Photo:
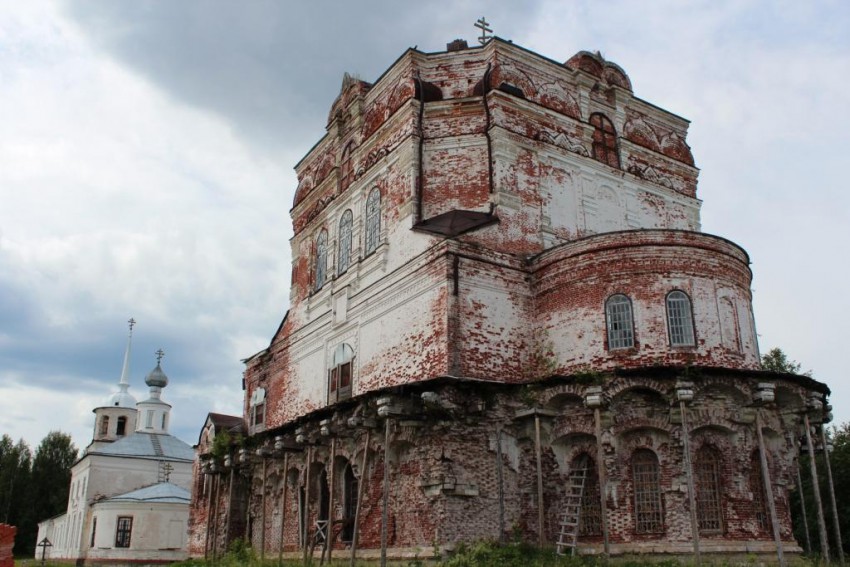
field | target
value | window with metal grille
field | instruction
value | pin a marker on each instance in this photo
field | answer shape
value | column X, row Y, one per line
column 321, row 268
column 680, row 321
column 618, row 313
column 759, row 497
column 373, row 220
column 123, row 530
column 707, row 477
column 604, row 140
column 344, row 252
column 349, row 503
column 590, row 521
column 646, row 482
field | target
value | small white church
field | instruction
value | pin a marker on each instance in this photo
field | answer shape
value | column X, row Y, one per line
column 129, row 496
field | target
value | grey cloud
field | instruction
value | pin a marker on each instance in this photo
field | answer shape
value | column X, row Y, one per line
column 271, row 68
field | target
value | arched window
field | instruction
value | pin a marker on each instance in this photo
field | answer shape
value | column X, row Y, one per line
column 121, row 426
column 618, row 313
column 707, row 477
column 646, row 482
column 104, row 425
column 339, row 376
column 759, row 496
column 590, row 520
column 321, row 268
column 680, row 322
column 373, row 220
column 344, row 252
column 604, row 140
column 349, row 503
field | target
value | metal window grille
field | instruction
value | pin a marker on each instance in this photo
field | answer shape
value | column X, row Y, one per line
column 123, row 531
column 618, row 310
column 373, row 220
column 679, row 319
column 321, row 259
column 604, row 141
column 344, row 255
column 709, row 504
column 759, row 496
column 649, row 510
column 590, row 522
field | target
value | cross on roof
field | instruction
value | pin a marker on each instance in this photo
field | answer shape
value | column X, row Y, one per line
column 485, row 29
column 159, row 354
column 132, row 323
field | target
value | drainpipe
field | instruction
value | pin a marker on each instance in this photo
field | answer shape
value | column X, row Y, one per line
column 685, row 393
column 359, row 499
column 420, row 150
column 485, row 87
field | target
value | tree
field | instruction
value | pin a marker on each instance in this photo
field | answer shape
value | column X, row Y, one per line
column 49, row 484
column 777, row 361
column 15, row 470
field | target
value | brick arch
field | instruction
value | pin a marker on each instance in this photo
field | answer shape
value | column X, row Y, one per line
column 505, row 73
column 722, row 387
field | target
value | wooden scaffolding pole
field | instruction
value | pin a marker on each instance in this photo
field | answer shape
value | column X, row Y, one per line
column 689, row 475
column 360, row 484
column 768, row 489
column 602, row 475
column 282, row 533
column 385, row 506
column 824, row 543
column 835, row 523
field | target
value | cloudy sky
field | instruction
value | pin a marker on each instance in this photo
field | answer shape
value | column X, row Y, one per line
column 147, row 147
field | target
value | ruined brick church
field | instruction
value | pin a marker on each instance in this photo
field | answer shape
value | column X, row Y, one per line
column 505, row 323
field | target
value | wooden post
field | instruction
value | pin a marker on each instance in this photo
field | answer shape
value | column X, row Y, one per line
column 689, row 475
column 541, row 536
column 229, row 510
column 360, row 484
column 263, row 514
column 283, row 508
column 803, row 509
column 500, row 476
column 835, row 523
column 306, row 511
column 384, row 510
column 768, row 489
column 216, row 503
column 824, row 544
column 603, row 479
column 207, row 546
column 328, row 543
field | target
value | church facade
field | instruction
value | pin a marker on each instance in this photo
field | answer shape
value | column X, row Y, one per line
column 505, row 322
column 130, row 491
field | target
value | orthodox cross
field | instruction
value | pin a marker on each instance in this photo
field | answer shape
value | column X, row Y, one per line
column 485, row 29
column 165, row 471
column 132, row 323
column 159, row 355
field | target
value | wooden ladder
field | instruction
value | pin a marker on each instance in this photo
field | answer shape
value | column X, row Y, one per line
column 571, row 517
